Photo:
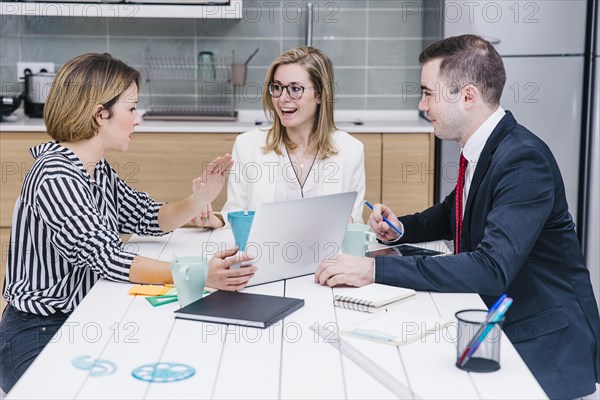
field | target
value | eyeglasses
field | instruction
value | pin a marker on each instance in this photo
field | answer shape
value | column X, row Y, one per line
column 294, row 90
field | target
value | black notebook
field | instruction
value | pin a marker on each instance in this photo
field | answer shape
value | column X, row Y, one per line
column 237, row 308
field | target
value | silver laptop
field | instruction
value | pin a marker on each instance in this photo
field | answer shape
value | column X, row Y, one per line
column 290, row 238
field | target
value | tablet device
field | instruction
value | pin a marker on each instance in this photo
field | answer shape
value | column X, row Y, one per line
column 403, row 250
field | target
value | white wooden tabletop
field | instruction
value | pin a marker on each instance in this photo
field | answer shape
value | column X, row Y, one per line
column 121, row 332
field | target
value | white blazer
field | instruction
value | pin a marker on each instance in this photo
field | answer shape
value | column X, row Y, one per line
column 254, row 174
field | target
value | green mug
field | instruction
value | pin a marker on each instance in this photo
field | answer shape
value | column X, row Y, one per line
column 357, row 239
column 189, row 276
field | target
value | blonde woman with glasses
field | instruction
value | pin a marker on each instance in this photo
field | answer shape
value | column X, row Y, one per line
column 302, row 154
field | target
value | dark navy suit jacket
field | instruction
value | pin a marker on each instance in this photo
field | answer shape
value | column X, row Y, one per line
column 518, row 238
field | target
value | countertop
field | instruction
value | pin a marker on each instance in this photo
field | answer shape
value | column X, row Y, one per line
column 352, row 121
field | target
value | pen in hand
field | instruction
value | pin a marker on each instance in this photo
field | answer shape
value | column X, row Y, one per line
column 385, row 219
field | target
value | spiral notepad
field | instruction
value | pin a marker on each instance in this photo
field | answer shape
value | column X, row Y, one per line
column 370, row 298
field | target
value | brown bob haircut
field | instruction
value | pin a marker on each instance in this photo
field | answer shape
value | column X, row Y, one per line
column 81, row 85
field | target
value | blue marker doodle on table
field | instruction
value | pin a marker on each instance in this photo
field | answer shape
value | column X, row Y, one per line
column 98, row 367
column 163, row 372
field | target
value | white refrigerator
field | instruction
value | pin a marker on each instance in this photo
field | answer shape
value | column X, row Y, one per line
column 542, row 44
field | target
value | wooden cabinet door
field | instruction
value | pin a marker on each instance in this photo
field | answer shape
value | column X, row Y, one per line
column 407, row 171
column 398, row 166
column 164, row 164
column 16, row 162
column 372, row 143
column 4, row 242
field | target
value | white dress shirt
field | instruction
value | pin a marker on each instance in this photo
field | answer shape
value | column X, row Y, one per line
column 474, row 146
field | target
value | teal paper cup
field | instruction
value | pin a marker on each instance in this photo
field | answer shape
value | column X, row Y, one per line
column 240, row 224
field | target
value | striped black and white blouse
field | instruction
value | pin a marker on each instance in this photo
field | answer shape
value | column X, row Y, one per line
column 65, row 231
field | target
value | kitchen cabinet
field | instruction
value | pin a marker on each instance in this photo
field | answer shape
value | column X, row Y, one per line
column 15, row 162
column 372, row 143
column 164, row 164
column 4, row 237
column 408, row 171
column 126, row 12
column 399, row 166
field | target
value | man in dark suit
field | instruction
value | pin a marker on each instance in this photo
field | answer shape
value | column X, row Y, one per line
column 513, row 233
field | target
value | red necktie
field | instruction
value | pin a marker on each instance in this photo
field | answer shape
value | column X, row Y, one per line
column 460, row 183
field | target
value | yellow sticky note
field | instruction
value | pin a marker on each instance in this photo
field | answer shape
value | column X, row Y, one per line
column 148, row 290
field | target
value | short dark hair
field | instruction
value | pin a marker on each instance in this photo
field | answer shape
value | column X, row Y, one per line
column 469, row 59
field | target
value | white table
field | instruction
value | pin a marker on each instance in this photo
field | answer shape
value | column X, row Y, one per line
column 286, row 360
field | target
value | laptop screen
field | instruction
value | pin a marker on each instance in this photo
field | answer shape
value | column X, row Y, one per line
column 291, row 238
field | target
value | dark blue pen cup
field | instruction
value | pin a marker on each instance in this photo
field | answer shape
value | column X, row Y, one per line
column 486, row 357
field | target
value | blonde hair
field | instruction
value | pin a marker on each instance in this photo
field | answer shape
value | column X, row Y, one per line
column 320, row 71
column 81, row 85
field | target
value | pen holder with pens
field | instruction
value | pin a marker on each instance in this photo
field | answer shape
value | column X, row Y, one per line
column 477, row 345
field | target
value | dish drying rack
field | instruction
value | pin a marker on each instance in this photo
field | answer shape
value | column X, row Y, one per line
column 198, row 98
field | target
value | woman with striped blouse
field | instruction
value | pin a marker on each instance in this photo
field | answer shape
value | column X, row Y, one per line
column 73, row 207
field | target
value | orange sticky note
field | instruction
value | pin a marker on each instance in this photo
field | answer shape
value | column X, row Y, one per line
column 148, row 290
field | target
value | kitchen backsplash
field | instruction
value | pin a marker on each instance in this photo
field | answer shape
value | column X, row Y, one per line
column 374, row 45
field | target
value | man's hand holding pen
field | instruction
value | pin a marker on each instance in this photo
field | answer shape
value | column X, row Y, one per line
column 382, row 228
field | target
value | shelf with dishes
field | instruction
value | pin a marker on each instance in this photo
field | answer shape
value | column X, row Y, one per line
column 205, row 87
